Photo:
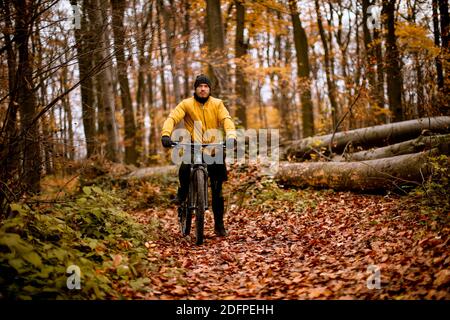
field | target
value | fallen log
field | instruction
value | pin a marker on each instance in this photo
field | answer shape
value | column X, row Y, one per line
column 379, row 174
column 366, row 137
column 411, row 146
column 143, row 173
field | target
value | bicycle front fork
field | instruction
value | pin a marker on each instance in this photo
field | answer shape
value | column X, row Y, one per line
column 192, row 199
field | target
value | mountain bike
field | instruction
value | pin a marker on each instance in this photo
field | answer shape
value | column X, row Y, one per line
column 196, row 202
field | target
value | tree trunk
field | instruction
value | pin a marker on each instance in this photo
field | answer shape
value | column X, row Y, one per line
column 285, row 57
column 84, row 44
column 380, row 174
column 445, row 28
column 101, row 133
column 152, row 138
column 141, row 40
column 169, row 28
column 118, row 11
column 393, row 63
column 105, row 81
column 216, row 49
column 241, row 50
column 368, row 137
column 161, row 56
column 343, row 41
column 330, row 81
column 9, row 153
column 186, row 47
column 69, row 142
column 445, row 37
column 379, row 86
column 301, row 48
column 437, row 43
column 373, row 52
column 411, row 146
column 31, row 165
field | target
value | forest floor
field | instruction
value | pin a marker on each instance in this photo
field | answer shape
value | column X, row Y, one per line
column 288, row 243
column 282, row 243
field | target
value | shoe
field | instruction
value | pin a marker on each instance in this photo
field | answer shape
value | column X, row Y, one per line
column 218, row 210
column 220, row 231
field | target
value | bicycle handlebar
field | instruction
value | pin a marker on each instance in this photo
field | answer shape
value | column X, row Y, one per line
column 203, row 145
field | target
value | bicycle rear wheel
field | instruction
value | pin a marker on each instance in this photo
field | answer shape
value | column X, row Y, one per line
column 200, row 205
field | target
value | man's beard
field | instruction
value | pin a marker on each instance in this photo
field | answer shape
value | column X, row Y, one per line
column 200, row 99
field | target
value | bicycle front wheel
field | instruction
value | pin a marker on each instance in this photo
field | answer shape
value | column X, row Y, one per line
column 200, row 205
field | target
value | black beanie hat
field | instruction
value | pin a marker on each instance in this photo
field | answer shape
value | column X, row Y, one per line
column 201, row 79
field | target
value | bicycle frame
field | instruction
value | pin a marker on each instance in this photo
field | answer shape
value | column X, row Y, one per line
column 194, row 198
column 194, row 167
column 193, row 189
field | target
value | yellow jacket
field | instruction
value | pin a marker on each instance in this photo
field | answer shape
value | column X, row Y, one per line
column 212, row 115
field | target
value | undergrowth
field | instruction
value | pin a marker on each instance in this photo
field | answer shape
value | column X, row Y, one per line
column 90, row 231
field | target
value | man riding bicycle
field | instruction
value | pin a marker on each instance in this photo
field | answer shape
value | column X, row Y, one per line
column 212, row 114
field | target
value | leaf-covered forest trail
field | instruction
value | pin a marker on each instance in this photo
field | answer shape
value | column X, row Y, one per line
column 303, row 244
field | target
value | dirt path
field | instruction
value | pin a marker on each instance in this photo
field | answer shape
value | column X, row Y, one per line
column 285, row 251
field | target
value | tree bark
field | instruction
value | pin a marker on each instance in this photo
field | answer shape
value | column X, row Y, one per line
column 367, row 137
column 161, row 56
column 301, row 48
column 445, row 28
column 393, row 63
column 445, row 37
column 31, row 165
column 371, row 175
column 105, row 81
column 9, row 151
column 169, row 31
column 118, row 11
column 241, row 50
column 216, row 48
column 330, row 81
column 143, row 68
column 374, row 60
column 437, row 42
column 186, row 47
column 411, row 146
column 69, row 140
column 84, row 44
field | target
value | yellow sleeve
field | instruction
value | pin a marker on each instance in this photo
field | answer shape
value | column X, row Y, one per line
column 175, row 116
column 228, row 124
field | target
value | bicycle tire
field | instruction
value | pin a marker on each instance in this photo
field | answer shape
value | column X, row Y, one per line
column 200, row 206
column 186, row 220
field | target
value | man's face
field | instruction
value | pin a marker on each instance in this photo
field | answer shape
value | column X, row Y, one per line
column 202, row 90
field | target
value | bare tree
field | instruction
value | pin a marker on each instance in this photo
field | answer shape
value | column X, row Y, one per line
column 118, row 9
column 301, row 48
column 169, row 31
column 240, row 49
column 30, row 148
column 97, row 16
column 216, row 48
column 84, row 44
column 393, row 62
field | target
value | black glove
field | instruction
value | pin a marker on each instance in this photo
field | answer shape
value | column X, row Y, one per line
column 166, row 141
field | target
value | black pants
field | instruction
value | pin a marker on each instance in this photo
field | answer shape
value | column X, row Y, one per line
column 217, row 175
